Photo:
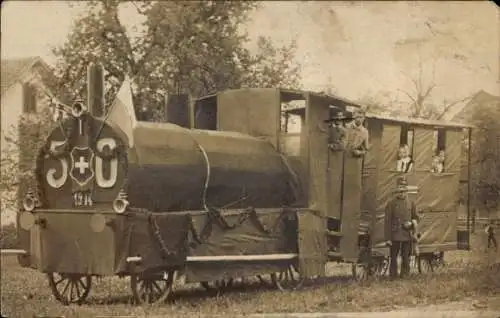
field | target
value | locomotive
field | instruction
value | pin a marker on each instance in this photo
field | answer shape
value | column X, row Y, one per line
column 221, row 190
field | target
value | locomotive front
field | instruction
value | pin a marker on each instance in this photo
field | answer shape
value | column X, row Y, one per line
column 108, row 192
column 80, row 174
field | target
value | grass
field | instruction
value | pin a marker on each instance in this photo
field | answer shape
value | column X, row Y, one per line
column 8, row 238
column 25, row 293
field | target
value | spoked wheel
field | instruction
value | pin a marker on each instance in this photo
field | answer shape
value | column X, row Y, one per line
column 414, row 264
column 381, row 267
column 218, row 285
column 378, row 268
column 360, row 271
column 289, row 279
column 437, row 261
column 425, row 264
column 70, row 288
column 152, row 288
column 271, row 282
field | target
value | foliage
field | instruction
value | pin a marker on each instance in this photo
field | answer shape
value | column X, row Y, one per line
column 485, row 153
column 19, row 158
column 8, row 236
column 193, row 47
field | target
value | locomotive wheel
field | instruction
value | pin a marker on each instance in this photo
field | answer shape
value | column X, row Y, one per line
column 151, row 288
column 70, row 288
column 268, row 283
column 289, row 279
column 218, row 285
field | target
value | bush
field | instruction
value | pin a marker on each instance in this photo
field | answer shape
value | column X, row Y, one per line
column 8, row 236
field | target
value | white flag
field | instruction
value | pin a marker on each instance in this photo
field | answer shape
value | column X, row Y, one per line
column 121, row 112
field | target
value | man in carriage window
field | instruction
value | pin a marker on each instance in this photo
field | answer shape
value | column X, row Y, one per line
column 401, row 221
column 405, row 162
column 357, row 135
column 336, row 140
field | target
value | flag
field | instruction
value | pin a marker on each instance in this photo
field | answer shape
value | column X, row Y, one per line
column 121, row 113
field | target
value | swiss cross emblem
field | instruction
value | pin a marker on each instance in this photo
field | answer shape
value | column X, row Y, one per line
column 81, row 165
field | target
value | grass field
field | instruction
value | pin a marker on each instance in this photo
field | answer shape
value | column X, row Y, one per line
column 467, row 275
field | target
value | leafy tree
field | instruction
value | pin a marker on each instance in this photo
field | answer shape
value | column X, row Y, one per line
column 19, row 156
column 193, row 47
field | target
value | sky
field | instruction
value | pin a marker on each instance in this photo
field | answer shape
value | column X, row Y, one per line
column 357, row 48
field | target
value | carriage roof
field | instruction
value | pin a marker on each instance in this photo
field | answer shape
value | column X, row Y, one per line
column 288, row 95
column 419, row 122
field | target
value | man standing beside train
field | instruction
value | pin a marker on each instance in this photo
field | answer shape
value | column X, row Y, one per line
column 400, row 217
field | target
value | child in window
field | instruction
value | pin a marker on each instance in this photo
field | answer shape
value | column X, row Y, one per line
column 405, row 162
column 438, row 162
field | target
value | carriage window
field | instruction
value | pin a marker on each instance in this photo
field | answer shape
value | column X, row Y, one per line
column 292, row 116
column 405, row 153
column 292, row 121
column 406, row 138
column 440, row 148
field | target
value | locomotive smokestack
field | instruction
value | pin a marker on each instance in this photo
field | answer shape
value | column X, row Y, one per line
column 95, row 89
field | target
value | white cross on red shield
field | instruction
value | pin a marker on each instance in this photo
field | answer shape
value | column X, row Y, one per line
column 82, row 164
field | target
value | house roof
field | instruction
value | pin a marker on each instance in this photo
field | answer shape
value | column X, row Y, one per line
column 12, row 70
column 480, row 97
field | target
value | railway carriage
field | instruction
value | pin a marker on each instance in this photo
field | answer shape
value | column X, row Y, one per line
column 438, row 153
column 236, row 184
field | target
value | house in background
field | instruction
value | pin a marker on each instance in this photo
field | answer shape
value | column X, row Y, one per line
column 463, row 113
column 24, row 82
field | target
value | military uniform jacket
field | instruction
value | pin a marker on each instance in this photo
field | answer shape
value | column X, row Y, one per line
column 398, row 212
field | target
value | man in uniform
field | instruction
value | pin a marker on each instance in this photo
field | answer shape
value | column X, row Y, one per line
column 400, row 219
column 357, row 135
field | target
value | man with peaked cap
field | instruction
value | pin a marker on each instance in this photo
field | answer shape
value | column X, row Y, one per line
column 400, row 219
column 357, row 135
column 336, row 141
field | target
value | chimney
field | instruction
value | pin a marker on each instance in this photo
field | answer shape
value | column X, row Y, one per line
column 95, row 89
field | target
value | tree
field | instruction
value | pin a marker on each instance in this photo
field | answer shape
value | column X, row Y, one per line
column 192, row 47
column 485, row 153
column 421, row 103
column 20, row 153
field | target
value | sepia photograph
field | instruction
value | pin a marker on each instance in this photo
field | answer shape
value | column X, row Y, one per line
column 250, row 159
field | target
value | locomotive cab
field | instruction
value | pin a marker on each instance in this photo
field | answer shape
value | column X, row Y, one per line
column 294, row 122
